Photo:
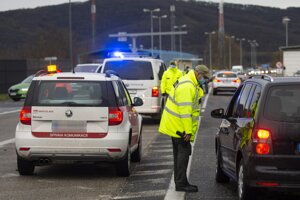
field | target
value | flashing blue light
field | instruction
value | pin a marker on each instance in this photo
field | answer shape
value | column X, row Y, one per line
column 118, row 54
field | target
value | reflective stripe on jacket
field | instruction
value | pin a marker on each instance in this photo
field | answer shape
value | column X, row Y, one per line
column 182, row 109
column 169, row 78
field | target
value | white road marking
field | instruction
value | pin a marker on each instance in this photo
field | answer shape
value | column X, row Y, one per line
column 152, row 172
column 9, row 112
column 145, row 194
column 7, row 142
column 155, row 164
column 9, row 175
column 171, row 193
column 162, row 150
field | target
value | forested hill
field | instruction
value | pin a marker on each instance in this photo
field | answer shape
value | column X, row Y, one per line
column 44, row 31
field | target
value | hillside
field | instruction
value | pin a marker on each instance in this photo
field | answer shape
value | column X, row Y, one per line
column 40, row 32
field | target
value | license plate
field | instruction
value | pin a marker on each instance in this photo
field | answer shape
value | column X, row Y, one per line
column 132, row 91
column 13, row 94
column 298, row 147
column 69, row 126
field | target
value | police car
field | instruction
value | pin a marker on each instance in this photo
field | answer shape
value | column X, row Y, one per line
column 78, row 117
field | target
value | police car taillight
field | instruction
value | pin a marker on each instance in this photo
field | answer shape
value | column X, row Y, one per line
column 115, row 116
column 155, row 91
column 25, row 115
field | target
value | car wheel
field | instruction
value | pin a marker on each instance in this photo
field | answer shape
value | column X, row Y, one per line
column 220, row 176
column 25, row 167
column 137, row 154
column 123, row 167
column 244, row 191
column 215, row 92
column 16, row 99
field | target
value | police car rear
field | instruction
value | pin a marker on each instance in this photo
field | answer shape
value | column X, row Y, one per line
column 78, row 117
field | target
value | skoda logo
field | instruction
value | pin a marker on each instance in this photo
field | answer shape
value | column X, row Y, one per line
column 69, row 113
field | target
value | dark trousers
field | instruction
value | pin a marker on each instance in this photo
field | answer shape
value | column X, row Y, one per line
column 181, row 153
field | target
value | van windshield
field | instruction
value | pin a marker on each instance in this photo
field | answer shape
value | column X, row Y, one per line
column 131, row 69
column 283, row 104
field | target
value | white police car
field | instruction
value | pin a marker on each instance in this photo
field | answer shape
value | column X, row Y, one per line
column 78, row 117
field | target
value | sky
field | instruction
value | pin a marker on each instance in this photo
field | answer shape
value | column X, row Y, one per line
column 19, row 4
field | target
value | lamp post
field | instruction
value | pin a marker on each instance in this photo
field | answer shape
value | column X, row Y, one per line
column 151, row 22
column 180, row 38
column 159, row 27
column 229, row 50
column 70, row 35
column 241, row 49
column 285, row 21
column 210, row 56
column 253, row 45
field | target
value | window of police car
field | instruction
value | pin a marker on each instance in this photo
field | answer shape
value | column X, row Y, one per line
column 131, row 69
column 75, row 93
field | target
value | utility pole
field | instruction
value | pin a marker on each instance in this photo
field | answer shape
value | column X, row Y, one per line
column 151, row 22
column 93, row 15
column 159, row 27
column 70, row 36
column 172, row 9
column 210, row 51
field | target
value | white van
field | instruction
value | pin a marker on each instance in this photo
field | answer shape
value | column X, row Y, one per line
column 142, row 77
column 237, row 68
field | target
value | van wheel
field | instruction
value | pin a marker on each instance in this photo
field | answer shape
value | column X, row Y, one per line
column 25, row 167
column 244, row 191
column 137, row 154
column 220, row 176
column 123, row 167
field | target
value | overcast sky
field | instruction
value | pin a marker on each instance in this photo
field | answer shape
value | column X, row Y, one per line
column 18, row 4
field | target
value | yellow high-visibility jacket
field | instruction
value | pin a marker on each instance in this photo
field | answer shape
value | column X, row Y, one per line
column 169, row 78
column 182, row 109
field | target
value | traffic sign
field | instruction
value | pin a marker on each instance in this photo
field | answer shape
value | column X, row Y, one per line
column 279, row 65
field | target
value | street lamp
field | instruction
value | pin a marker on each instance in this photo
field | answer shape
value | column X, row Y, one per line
column 180, row 38
column 70, row 36
column 151, row 21
column 210, row 56
column 159, row 26
column 253, row 45
column 285, row 21
column 229, row 50
column 241, row 49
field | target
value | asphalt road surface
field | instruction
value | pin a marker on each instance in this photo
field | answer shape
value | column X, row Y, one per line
column 151, row 178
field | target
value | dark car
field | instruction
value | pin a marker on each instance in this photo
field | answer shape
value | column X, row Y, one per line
column 258, row 143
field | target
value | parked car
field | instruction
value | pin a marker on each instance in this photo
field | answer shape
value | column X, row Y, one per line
column 225, row 81
column 88, row 67
column 258, row 142
column 142, row 77
column 81, row 117
column 19, row 91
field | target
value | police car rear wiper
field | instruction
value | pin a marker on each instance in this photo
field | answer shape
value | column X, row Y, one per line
column 71, row 103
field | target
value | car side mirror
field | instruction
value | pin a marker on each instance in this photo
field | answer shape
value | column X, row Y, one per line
column 137, row 101
column 218, row 113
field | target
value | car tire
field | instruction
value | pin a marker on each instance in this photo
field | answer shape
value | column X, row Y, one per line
column 137, row 154
column 244, row 191
column 123, row 167
column 16, row 99
column 220, row 176
column 25, row 167
column 215, row 92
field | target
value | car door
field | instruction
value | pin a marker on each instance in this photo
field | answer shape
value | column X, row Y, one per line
column 231, row 126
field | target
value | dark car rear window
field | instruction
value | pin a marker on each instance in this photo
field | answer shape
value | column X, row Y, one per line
column 283, row 103
column 131, row 69
column 73, row 93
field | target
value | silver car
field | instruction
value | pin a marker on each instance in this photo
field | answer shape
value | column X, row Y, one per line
column 225, row 81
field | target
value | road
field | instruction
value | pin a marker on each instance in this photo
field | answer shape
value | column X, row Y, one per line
column 151, row 179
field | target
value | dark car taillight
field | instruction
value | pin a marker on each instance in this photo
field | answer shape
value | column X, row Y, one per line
column 262, row 140
column 115, row 116
column 25, row 115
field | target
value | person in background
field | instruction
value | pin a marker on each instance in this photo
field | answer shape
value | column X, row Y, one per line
column 180, row 121
column 170, row 76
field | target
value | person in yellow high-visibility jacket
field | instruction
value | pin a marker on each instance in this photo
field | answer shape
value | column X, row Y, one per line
column 169, row 78
column 180, row 121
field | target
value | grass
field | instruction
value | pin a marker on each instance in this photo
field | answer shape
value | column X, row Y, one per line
column 4, row 97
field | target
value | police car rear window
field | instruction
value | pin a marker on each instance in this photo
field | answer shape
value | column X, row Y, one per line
column 283, row 103
column 71, row 93
column 131, row 69
column 227, row 75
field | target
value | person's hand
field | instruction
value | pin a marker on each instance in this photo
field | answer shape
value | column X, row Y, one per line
column 187, row 137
